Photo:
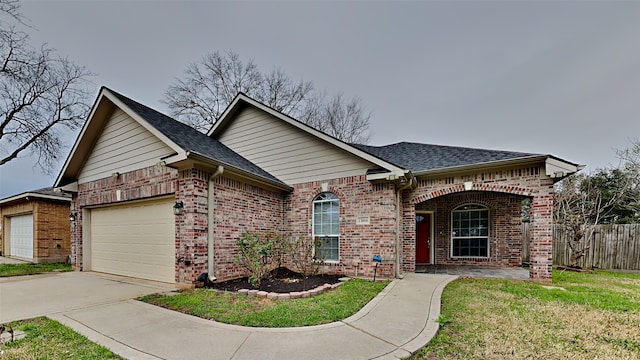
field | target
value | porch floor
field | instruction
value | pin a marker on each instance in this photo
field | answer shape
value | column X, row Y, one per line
column 475, row 271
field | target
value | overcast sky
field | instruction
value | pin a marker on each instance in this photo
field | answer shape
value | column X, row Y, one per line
column 559, row 78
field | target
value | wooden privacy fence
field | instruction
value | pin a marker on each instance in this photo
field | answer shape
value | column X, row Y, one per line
column 615, row 246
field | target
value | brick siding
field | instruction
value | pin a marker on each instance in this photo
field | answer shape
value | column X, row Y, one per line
column 145, row 183
column 501, row 191
column 240, row 207
column 358, row 243
column 52, row 231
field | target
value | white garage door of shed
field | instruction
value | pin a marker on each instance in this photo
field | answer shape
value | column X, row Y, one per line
column 21, row 236
column 136, row 240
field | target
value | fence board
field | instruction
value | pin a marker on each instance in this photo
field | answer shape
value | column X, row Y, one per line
column 611, row 246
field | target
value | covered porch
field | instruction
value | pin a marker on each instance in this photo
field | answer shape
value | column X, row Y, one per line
column 478, row 225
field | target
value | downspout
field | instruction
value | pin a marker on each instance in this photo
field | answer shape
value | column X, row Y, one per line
column 399, row 222
column 210, row 221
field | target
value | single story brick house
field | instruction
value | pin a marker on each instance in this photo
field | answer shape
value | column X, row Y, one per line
column 35, row 226
column 258, row 169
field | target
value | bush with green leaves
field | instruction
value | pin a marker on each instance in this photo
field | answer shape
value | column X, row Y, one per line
column 258, row 252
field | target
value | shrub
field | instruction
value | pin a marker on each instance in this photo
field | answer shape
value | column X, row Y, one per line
column 300, row 251
column 257, row 253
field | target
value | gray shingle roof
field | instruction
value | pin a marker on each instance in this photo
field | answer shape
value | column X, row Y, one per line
column 48, row 191
column 192, row 140
column 422, row 157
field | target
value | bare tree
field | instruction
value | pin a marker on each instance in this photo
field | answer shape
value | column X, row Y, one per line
column 631, row 155
column 40, row 94
column 580, row 203
column 343, row 119
column 209, row 86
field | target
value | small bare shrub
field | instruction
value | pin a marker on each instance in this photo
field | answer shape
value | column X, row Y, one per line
column 258, row 253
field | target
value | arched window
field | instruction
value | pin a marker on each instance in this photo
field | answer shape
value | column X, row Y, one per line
column 470, row 231
column 326, row 227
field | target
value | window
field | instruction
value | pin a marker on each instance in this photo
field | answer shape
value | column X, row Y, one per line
column 326, row 226
column 470, row 231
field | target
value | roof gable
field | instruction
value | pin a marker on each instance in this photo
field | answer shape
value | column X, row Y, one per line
column 183, row 140
column 242, row 101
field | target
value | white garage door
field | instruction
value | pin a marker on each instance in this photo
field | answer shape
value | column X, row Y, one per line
column 134, row 240
column 21, row 236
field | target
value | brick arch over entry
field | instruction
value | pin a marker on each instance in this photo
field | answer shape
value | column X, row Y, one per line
column 530, row 182
column 499, row 188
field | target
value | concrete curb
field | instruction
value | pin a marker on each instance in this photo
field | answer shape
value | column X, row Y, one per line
column 116, row 347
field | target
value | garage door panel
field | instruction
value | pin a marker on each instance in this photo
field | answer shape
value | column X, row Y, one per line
column 138, row 270
column 134, row 240
column 21, row 236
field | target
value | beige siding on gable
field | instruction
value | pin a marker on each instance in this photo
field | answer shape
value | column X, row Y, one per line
column 286, row 152
column 123, row 146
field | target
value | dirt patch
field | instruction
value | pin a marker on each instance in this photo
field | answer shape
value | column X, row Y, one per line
column 574, row 269
column 281, row 280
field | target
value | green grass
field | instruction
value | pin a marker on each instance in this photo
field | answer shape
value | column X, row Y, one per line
column 584, row 315
column 232, row 308
column 48, row 339
column 31, row 269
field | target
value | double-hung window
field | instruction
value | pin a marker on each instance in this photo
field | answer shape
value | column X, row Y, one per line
column 326, row 227
column 470, row 231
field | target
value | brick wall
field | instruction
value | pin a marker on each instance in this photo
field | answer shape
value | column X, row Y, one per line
column 52, row 231
column 358, row 198
column 240, row 208
column 144, row 183
column 505, row 237
column 530, row 182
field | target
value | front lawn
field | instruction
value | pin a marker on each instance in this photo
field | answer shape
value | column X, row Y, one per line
column 582, row 316
column 232, row 308
column 48, row 339
column 31, row 269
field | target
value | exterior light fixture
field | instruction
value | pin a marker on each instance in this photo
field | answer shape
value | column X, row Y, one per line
column 115, row 175
column 72, row 217
column 178, row 208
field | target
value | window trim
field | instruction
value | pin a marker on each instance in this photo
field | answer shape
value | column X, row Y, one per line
column 481, row 207
column 317, row 200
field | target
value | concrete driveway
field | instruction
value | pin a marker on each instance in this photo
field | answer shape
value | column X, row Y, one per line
column 395, row 324
column 24, row 297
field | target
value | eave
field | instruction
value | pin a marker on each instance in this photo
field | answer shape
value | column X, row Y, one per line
column 552, row 163
column 195, row 160
column 33, row 196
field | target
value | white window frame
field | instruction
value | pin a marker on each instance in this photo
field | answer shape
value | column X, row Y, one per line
column 323, row 198
column 471, row 208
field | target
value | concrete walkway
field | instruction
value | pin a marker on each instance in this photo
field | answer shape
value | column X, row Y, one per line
column 7, row 260
column 397, row 323
column 477, row 271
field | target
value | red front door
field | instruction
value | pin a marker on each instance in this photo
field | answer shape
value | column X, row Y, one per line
column 423, row 238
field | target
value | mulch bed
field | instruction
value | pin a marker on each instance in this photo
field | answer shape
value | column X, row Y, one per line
column 281, row 280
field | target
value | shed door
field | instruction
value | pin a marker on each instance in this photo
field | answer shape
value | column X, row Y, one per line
column 136, row 240
column 21, row 236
